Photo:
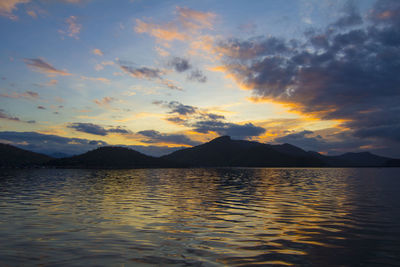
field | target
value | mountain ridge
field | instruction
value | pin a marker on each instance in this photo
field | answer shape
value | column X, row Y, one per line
column 219, row 152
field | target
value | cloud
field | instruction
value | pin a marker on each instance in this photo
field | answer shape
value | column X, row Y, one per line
column 49, row 144
column 58, row 145
column 30, row 95
column 176, row 107
column 105, row 101
column 32, row 13
column 41, row 107
column 5, row 116
column 335, row 143
column 179, row 64
column 157, row 137
column 97, row 52
column 170, row 85
column 101, row 66
column 96, row 79
column 42, row 66
column 347, row 72
column 239, row 131
column 182, row 65
column 193, row 19
column 197, row 75
column 150, row 74
column 166, row 32
column 8, row 6
column 143, row 72
column 95, row 129
column 187, row 23
column 73, row 27
column 204, row 122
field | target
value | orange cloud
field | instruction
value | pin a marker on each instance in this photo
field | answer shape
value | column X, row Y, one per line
column 97, row 52
column 96, row 79
column 73, row 27
column 193, row 19
column 167, row 32
column 105, row 101
column 27, row 95
column 8, row 6
column 187, row 23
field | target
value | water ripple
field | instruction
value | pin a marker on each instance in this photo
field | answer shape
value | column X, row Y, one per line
column 200, row 217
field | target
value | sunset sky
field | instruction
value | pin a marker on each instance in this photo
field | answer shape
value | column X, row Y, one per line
column 159, row 75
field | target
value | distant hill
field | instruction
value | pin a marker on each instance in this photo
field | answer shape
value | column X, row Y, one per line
column 223, row 151
column 362, row 159
column 220, row 152
column 109, row 157
column 14, row 157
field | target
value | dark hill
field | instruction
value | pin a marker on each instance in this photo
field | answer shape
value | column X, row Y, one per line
column 223, row 151
column 110, row 157
column 362, row 159
column 14, row 157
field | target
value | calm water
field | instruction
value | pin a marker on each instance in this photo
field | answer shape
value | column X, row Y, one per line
column 203, row 217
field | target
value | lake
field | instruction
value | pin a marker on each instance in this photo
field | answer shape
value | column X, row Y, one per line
column 201, row 217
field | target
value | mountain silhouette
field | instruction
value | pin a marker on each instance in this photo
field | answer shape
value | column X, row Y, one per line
column 14, row 157
column 224, row 152
column 219, row 152
column 109, row 157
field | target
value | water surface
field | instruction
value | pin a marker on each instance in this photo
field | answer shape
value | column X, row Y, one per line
column 203, row 217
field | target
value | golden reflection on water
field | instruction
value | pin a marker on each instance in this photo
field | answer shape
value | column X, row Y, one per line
column 213, row 216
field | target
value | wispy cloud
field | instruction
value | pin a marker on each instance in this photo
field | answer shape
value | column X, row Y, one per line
column 26, row 95
column 73, row 28
column 186, row 23
column 96, row 129
column 157, row 137
column 5, row 116
column 40, row 65
column 193, row 19
column 95, row 79
column 166, row 32
column 142, row 72
column 8, row 6
column 105, row 101
column 197, row 75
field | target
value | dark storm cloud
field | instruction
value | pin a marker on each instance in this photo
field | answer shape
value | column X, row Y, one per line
column 95, row 129
column 198, row 76
column 226, row 128
column 351, row 16
column 179, row 64
column 349, row 71
column 157, row 137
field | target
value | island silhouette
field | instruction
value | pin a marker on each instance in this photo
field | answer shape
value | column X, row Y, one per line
column 219, row 152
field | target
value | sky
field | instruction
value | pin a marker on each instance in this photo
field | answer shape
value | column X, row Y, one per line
column 161, row 75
